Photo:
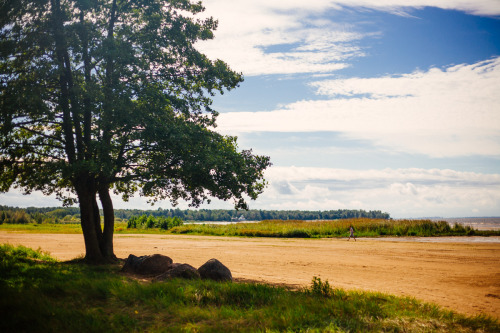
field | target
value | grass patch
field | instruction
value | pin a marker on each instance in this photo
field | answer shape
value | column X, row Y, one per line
column 40, row 294
column 364, row 227
column 50, row 228
column 71, row 228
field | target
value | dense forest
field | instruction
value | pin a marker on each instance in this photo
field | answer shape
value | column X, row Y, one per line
column 72, row 214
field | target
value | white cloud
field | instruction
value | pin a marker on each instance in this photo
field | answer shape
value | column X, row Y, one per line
column 297, row 174
column 475, row 7
column 248, row 28
column 433, row 82
column 310, row 50
column 316, row 43
column 401, row 192
column 440, row 113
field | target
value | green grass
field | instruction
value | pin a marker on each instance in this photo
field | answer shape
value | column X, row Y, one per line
column 39, row 294
column 364, row 227
column 339, row 228
column 68, row 228
column 51, row 228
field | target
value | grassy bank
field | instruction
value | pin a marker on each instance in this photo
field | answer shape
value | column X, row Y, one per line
column 40, row 295
column 338, row 228
column 70, row 228
column 364, row 227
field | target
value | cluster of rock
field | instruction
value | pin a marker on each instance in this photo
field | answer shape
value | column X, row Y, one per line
column 162, row 268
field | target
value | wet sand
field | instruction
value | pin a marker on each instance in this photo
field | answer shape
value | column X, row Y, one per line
column 462, row 276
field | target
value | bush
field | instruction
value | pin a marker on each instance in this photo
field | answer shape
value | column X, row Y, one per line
column 320, row 288
column 151, row 222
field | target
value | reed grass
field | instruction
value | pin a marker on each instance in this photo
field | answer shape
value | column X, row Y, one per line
column 363, row 227
column 40, row 294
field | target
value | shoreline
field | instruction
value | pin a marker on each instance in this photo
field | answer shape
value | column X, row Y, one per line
column 438, row 239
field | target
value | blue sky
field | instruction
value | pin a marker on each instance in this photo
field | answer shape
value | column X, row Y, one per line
column 363, row 104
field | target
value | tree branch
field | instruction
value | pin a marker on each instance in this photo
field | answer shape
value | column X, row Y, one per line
column 41, row 134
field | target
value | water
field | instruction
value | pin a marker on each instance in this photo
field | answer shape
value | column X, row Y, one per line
column 479, row 223
column 452, row 239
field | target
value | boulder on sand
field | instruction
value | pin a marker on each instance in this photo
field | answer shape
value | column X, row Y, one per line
column 147, row 265
column 183, row 271
column 215, row 270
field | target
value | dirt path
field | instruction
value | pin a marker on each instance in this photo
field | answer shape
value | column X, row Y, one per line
column 461, row 276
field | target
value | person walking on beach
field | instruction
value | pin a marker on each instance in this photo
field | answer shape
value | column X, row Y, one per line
column 351, row 231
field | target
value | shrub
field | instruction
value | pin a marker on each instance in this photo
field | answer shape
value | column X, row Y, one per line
column 320, row 288
column 151, row 222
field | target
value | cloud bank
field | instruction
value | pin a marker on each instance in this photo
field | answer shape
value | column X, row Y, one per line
column 402, row 192
column 310, row 41
column 248, row 29
column 440, row 112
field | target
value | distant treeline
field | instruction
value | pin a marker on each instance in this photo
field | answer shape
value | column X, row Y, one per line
column 72, row 214
column 258, row 215
column 16, row 215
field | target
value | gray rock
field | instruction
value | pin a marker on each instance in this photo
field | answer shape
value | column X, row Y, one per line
column 183, row 271
column 147, row 265
column 131, row 263
column 215, row 270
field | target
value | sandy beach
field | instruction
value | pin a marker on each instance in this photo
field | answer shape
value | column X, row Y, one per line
column 462, row 276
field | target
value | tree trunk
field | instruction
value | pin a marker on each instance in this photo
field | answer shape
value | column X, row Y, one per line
column 98, row 243
column 109, row 224
column 86, row 199
column 97, row 220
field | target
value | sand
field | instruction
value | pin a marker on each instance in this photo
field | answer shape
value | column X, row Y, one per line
column 461, row 276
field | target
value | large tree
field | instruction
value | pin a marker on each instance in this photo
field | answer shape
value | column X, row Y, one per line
column 112, row 95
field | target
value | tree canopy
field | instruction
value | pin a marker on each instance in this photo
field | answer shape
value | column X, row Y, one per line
column 112, row 95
